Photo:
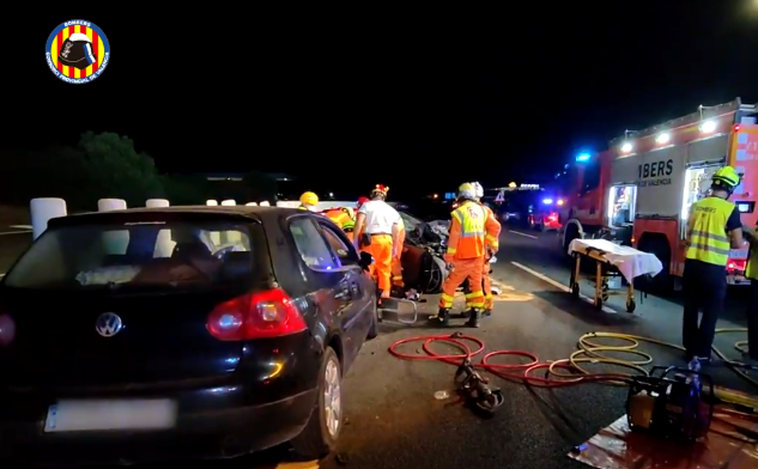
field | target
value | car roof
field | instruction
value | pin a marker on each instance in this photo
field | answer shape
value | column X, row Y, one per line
column 184, row 212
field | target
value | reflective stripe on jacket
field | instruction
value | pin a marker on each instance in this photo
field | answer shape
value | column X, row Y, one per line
column 466, row 239
column 708, row 240
column 492, row 227
column 341, row 218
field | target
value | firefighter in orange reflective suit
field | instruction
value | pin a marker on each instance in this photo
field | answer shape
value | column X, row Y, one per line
column 465, row 256
column 492, row 229
column 376, row 232
column 344, row 217
column 397, row 266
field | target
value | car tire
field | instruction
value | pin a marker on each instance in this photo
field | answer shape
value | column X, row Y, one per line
column 373, row 329
column 317, row 439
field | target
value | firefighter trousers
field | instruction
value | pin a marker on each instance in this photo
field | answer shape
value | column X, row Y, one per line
column 704, row 292
column 381, row 250
column 464, row 269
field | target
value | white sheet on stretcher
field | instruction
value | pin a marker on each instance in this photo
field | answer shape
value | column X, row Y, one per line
column 629, row 261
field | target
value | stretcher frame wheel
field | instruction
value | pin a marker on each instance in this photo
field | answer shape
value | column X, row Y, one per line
column 390, row 305
column 631, row 305
column 575, row 290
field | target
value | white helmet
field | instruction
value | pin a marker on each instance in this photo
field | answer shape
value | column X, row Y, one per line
column 478, row 189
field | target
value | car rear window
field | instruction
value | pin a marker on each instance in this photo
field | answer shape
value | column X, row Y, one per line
column 140, row 255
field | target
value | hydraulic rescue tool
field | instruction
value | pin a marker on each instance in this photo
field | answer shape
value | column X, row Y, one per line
column 476, row 389
column 669, row 402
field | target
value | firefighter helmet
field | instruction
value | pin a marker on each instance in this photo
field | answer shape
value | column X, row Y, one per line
column 467, row 191
column 76, row 51
column 309, row 198
column 380, row 190
column 726, row 177
column 478, row 190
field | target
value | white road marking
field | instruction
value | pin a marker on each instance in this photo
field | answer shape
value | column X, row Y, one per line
column 523, row 234
column 560, row 286
column 4, row 233
column 21, row 227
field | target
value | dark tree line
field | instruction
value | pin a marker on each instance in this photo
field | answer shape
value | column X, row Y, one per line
column 108, row 165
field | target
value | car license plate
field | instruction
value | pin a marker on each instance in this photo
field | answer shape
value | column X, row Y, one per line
column 89, row 415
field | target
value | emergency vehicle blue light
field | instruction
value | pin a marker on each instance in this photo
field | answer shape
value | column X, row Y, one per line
column 547, row 201
column 583, row 157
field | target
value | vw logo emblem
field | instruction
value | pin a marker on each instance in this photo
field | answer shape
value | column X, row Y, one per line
column 108, row 324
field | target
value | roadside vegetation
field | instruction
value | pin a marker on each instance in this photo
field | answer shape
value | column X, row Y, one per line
column 108, row 165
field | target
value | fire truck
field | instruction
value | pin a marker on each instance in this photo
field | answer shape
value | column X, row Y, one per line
column 639, row 192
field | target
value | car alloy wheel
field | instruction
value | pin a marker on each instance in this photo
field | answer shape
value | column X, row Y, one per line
column 332, row 398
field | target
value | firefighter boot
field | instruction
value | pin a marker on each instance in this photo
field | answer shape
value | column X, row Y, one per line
column 464, row 314
column 473, row 320
column 442, row 318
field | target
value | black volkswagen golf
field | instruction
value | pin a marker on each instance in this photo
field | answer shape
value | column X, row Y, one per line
column 150, row 334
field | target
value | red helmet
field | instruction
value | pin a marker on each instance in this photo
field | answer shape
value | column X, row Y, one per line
column 361, row 201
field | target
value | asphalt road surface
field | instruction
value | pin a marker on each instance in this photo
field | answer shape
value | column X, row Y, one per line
column 394, row 420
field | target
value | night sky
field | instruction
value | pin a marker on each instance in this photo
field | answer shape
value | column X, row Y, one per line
column 348, row 99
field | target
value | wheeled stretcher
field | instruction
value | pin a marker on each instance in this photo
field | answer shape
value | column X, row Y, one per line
column 611, row 261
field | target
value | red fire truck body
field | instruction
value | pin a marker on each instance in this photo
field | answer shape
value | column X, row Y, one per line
column 663, row 170
column 646, row 183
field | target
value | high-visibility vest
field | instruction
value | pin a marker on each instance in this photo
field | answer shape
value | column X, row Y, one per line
column 302, row 207
column 752, row 264
column 341, row 218
column 708, row 240
column 471, row 217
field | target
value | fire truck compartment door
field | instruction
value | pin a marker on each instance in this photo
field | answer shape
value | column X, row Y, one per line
column 660, row 179
column 624, row 170
column 711, row 150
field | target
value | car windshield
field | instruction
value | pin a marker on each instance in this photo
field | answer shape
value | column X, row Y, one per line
column 136, row 255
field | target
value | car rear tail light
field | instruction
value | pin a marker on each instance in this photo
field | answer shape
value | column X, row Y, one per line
column 256, row 316
column 7, row 330
column 553, row 217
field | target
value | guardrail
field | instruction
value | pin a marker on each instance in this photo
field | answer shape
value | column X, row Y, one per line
column 45, row 208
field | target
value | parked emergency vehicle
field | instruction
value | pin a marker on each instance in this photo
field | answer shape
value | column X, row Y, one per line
column 648, row 180
column 583, row 212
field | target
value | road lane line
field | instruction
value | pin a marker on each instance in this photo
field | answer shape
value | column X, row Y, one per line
column 21, row 227
column 560, row 286
column 523, row 234
column 5, row 233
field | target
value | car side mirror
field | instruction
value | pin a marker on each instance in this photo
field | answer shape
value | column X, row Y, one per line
column 366, row 260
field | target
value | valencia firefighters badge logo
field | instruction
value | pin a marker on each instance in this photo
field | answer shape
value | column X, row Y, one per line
column 77, row 51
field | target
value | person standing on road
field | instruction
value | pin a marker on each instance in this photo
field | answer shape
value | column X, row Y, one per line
column 751, row 272
column 308, row 201
column 713, row 229
column 377, row 232
column 491, row 245
column 465, row 256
